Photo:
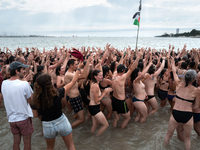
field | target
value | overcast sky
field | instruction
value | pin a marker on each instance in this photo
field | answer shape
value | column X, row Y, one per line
column 97, row 17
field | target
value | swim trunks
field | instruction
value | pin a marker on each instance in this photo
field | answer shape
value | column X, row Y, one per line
column 76, row 103
column 119, row 105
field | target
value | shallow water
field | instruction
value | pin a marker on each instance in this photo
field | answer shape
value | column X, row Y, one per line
column 147, row 136
column 118, row 42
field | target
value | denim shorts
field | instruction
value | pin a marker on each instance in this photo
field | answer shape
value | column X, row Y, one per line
column 59, row 126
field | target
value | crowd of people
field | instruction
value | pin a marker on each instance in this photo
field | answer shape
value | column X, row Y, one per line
column 106, row 82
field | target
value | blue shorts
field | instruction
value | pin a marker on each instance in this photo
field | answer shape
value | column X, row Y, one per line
column 59, row 126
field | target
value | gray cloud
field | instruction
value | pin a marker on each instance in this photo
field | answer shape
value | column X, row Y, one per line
column 107, row 16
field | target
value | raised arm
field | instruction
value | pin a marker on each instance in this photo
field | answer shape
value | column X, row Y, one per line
column 176, row 79
column 161, row 68
column 58, row 63
column 86, row 69
column 143, row 72
column 133, row 66
column 158, row 63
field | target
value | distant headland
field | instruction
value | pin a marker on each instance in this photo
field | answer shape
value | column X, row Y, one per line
column 194, row 33
column 22, row 36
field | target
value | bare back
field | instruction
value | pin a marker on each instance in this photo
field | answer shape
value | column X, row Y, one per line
column 189, row 93
column 150, row 84
column 118, row 86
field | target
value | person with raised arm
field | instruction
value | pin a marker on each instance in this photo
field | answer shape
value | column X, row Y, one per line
column 140, row 94
column 187, row 98
column 196, row 112
column 74, row 94
column 149, row 81
column 118, row 84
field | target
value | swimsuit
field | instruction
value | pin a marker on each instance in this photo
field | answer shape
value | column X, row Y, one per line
column 182, row 75
column 101, row 87
column 136, row 100
column 196, row 117
column 162, row 94
column 164, row 82
column 94, row 109
column 119, row 105
column 182, row 116
column 170, row 97
column 76, row 103
column 191, row 101
column 104, row 98
column 149, row 97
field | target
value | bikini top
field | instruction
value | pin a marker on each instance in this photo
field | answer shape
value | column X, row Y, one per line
column 101, row 87
column 181, row 75
column 191, row 101
column 164, row 82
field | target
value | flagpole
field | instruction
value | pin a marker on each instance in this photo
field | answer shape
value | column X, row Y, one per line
column 137, row 39
column 138, row 27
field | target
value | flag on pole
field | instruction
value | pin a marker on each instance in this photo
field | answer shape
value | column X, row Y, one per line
column 140, row 7
column 137, row 19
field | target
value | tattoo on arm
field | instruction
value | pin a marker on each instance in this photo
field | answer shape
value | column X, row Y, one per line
column 152, row 77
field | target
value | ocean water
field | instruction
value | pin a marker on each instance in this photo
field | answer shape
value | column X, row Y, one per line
column 117, row 42
column 147, row 136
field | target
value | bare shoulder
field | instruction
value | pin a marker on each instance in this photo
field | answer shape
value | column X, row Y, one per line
column 94, row 86
column 146, row 76
column 68, row 77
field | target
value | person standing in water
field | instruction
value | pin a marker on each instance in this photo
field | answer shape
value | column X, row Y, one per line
column 140, row 94
column 17, row 99
column 150, row 81
column 187, row 99
column 118, row 84
column 74, row 94
column 94, row 105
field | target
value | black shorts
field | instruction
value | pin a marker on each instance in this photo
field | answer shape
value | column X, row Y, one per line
column 162, row 94
column 94, row 109
column 119, row 105
column 76, row 103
